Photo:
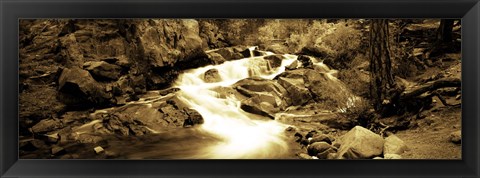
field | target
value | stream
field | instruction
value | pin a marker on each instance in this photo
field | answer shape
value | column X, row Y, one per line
column 228, row 132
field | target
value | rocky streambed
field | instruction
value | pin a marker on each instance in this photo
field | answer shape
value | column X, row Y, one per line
column 133, row 89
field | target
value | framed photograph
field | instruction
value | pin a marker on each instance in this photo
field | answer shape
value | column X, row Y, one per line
column 242, row 88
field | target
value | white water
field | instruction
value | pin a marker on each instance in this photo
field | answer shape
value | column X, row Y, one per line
column 244, row 135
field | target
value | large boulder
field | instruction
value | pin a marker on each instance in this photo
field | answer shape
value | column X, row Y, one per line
column 394, row 145
column 296, row 90
column 77, row 86
column 264, row 97
column 165, row 42
column 102, row 70
column 327, row 89
column 230, row 53
column 261, row 104
column 360, row 143
column 274, row 60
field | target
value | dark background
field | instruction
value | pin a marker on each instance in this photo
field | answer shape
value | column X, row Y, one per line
column 11, row 11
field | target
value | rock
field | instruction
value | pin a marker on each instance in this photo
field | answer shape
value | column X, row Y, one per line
column 47, row 125
column 392, row 156
column 216, row 58
column 325, row 89
column 121, row 60
column 311, row 134
column 332, row 156
column 88, row 138
column 337, row 145
column 194, row 118
column 57, row 150
column 394, row 145
column 165, row 42
column 304, row 142
column 322, row 138
column 318, row 147
column 296, row 90
column 102, row 70
column 248, row 53
column 212, row 76
column 77, row 87
column 327, row 153
column 298, row 137
column 32, row 145
column 306, row 61
column 229, row 54
column 275, row 60
column 456, row 137
column 262, row 104
column 360, row 143
column 304, row 156
column 378, row 157
column 98, row 149
column 293, row 65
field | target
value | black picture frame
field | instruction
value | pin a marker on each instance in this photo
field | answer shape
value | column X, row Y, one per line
column 11, row 11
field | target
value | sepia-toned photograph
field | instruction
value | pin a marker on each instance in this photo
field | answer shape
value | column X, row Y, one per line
column 170, row 89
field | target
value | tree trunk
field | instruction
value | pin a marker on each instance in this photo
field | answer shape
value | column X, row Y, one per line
column 444, row 32
column 382, row 82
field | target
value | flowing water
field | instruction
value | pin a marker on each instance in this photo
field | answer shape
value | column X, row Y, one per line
column 228, row 132
column 243, row 135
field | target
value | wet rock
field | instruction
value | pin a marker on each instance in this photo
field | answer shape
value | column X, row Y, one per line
column 304, row 142
column 304, row 156
column 394, row 145
column 296, row 90
column 216, row 58
column 194, row 118
column 298, row 137
column 293, row 65
column 102, row 70
column 311, row 134
column 168, row 91
column 274, row 60
column 456, row 137
column 392, row 156
column 47, row 125
column 98, row 149
column 212, row 76
column 78, row 87
column 322, row 138
column 258, row 106
column 360, row 143
column 319, row 147
column 337, row 145
column 306, row 61
column 229, row 54
column 252, row 53
column 330, row 153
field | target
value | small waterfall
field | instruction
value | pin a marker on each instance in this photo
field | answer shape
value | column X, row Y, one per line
column 243, row 135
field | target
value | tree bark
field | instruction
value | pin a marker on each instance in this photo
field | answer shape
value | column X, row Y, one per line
column 382, row 82
column 444, row 31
